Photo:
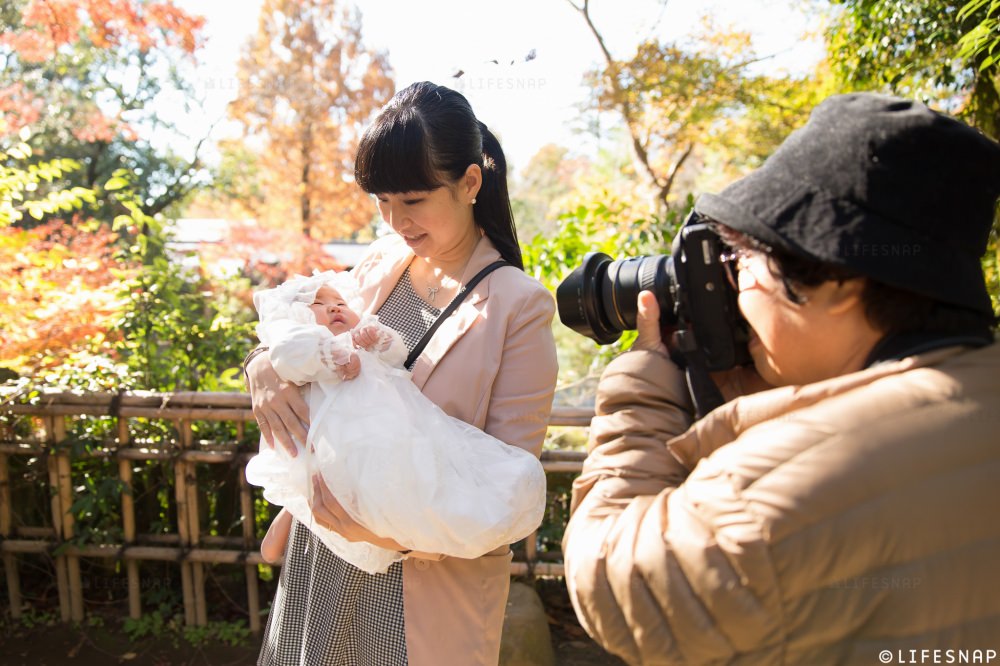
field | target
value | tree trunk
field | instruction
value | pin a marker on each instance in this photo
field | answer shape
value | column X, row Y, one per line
column 304, row 203
column 304, row 189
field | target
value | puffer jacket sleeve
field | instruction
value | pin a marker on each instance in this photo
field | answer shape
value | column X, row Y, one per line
column 645, row 568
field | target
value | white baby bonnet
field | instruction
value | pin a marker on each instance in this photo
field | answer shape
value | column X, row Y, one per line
column 291, row 299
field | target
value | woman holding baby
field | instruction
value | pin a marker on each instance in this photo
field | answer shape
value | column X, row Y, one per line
column 439, row 179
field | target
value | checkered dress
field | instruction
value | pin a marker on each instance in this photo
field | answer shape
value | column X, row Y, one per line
column 328, row 612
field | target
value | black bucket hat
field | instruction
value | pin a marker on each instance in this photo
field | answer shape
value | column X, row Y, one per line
column 882, row 186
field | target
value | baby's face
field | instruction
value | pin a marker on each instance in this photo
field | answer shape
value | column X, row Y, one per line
column 331, row 311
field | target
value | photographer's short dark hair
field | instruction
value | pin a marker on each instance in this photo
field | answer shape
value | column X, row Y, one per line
column 889, row 309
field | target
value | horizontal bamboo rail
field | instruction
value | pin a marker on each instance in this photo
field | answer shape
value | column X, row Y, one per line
column 188, row 547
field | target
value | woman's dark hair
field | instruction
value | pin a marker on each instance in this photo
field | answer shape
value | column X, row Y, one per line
column 889, row 309
column 426, row 137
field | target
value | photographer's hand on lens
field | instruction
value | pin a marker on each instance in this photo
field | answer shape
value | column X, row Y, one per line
column 648, row 324
column 279, row 408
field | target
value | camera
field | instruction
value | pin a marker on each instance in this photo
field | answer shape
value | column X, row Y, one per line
column 697, row 299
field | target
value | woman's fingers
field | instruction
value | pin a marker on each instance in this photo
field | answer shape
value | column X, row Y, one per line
column 265, row 430
column 294, row 413
column 300, row 408
column 325, row 506
column 278, row 406
column 330, row 514
column 286, row 426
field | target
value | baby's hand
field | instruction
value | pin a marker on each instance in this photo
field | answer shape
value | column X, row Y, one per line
column 369, row 338
column 350, row 369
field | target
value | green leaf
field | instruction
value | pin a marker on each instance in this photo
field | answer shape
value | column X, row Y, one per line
column 115, row 183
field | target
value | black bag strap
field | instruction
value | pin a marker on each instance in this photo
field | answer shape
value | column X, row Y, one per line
column 462, row 293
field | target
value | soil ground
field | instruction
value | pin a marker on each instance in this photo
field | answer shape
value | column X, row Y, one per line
column 57, row 644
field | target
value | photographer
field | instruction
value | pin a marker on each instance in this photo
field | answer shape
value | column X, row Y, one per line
column 852, row 508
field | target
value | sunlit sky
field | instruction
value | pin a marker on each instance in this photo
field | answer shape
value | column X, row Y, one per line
column 528, row 104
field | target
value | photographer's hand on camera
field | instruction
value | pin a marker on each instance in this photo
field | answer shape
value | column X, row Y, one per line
column 648, row 324
column 733, row 383
column 278, row 406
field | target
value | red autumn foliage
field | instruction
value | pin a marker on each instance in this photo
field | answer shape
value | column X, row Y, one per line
column 44, row 39
column 18, row 108
column 48, row 25
column 58, row 290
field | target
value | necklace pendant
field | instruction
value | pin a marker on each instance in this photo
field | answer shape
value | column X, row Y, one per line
column 431, row 293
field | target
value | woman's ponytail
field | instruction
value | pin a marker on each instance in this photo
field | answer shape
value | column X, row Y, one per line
column 492, row 209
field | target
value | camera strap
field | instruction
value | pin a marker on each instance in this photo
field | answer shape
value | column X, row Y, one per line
column 449, row 309
column 704, row 392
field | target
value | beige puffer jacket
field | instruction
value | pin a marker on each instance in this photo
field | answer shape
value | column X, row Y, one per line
column 820, row 524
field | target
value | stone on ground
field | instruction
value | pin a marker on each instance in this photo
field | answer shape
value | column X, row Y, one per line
column 526, row 639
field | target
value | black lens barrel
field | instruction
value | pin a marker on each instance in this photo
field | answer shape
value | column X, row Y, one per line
column 578, row 299
column 599, row 299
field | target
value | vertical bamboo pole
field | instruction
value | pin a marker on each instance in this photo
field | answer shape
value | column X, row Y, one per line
column 62, row 571
column 128, row 522
column 181, row 493
column 194, row 530
column 195, row 612
column 66, row 495
column 9, row 559
column 249, row 544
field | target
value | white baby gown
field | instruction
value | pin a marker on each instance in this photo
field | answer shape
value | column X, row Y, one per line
column 393, row 459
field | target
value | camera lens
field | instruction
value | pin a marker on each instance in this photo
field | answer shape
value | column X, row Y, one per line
column 599, row 299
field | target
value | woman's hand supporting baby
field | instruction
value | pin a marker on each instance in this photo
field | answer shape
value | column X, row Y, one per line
column 330, row 514
column 282, row 414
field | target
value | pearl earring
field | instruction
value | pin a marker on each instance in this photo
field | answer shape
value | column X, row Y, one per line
column 473, row 201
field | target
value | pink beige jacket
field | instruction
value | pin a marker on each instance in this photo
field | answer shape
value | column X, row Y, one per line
column 820, row 524
column 491, row 364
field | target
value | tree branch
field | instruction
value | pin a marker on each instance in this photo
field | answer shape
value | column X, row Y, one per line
column 669, row 185
column 622, row 100
column 585, row 12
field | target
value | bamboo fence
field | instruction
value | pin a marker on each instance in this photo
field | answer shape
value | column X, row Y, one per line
column 190, row 547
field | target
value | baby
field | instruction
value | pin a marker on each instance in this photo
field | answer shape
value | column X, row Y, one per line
column 393, row 459
column 331, row 310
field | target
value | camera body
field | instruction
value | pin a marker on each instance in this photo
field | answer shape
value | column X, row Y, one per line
column 697, row 299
